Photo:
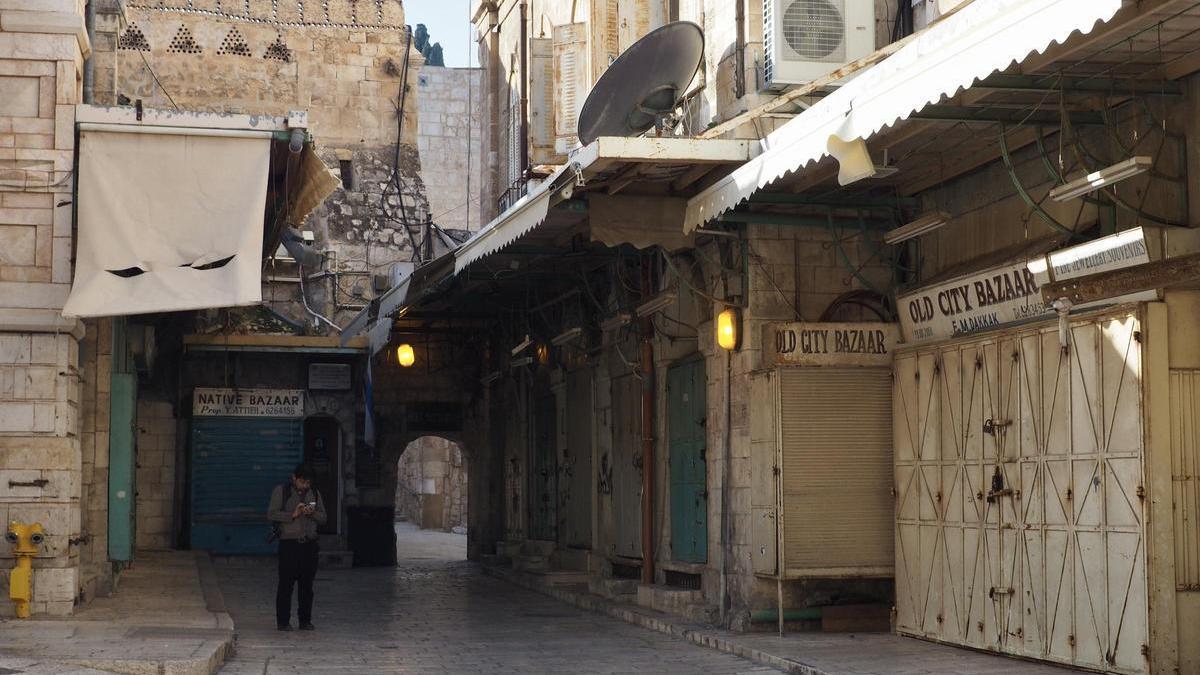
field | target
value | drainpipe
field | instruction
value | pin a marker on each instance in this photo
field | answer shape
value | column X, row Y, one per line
column 524, row 90
column 739, row 56
column 647, row 372
column 89, row 65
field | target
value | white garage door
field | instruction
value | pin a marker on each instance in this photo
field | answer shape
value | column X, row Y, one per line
column 1019, row 493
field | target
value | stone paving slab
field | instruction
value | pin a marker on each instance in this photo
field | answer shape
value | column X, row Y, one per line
column 437, row 613
column 158, row 623
column 804, row 653
column 25, row 666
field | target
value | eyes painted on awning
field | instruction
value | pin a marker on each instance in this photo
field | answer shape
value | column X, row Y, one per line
column 129, row 272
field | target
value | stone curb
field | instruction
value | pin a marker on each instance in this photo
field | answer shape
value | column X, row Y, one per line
column 694, row 634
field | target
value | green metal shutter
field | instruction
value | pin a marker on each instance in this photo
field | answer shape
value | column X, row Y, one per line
column 236, row 463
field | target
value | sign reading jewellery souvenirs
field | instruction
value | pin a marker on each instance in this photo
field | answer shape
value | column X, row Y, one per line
column 829, row 344
column 1011, row 293
column 248, row 402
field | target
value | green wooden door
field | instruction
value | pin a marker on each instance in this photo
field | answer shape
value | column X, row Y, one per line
column 686, row 413
column 543, row 511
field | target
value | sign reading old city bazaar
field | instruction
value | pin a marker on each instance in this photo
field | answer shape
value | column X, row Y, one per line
column 248, row 402
column 1012, row 293
column 830, row 344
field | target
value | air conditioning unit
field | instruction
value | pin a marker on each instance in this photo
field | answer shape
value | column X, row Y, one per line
column 807, row 39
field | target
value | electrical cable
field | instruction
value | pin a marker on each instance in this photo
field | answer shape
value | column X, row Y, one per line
column 149, row 68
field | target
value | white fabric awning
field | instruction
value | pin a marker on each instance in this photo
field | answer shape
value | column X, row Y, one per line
column 525, row 215
column 980, row 39
column 169, row 221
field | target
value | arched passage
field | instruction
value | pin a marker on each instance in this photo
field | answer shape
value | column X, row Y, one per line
column 431, row 499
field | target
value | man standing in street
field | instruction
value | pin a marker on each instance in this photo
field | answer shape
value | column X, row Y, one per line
column 296, row 509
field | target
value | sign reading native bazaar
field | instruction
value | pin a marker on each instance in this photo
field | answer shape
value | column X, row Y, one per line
column 248, row 402
column 829, row 344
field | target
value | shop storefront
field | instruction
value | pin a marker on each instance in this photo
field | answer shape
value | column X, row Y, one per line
column 823, row 452
column 1033, row 493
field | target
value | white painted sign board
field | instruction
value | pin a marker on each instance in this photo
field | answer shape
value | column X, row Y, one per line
column 213, row 402
column 1012, row 293
column 829, row 344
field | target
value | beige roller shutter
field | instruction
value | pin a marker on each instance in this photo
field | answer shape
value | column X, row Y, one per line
column 836, row 447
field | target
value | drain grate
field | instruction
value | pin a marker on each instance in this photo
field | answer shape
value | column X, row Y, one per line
column 683, row 580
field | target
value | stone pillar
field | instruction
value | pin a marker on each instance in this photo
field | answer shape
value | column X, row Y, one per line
column 42, row 48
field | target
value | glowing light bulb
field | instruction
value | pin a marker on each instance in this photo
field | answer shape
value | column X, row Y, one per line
column 727, row 329
column 405, row 355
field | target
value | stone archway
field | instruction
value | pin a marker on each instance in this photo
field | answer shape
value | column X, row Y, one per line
column 431, row 484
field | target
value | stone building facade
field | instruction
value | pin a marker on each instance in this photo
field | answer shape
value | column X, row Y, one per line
column 449, row 140
column 349, row 66
column 48, row 470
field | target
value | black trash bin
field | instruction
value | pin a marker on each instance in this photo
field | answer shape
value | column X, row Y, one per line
column 372, row 535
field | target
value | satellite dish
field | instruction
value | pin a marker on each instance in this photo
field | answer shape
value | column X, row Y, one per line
column 644, row 84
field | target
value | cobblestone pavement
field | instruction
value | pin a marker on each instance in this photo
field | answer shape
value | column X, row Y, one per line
column 437, row 613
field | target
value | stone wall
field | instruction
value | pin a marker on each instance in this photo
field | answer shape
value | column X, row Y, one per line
column 40, row 468
column 42, row 47
column 95, row 357
column 155, row 480
column 431, row 486
column 450, row 107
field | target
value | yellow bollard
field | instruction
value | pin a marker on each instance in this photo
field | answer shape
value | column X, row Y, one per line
column 25, row 540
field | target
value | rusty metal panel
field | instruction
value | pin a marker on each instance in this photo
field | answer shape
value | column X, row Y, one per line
column 541, row 102
column 571, row 82
column 836, row 443
column 1185, row 476
column 604, row 21
column 1021, row 527
column 627, row 466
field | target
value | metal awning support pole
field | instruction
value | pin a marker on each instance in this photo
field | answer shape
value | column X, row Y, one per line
column 647, row 371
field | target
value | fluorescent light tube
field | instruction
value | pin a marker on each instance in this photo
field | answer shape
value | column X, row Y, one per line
column 926, row 223
column 524, row 361
column 522, row 346
column 490, row 378
column 566, row 336
column 615, row 321
column 656, row 304
column 1104, row 177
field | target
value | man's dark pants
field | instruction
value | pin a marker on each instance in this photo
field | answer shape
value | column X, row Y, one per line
column 297, row 566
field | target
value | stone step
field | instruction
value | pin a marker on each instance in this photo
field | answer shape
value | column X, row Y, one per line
column 563, row 577
column 533, row 547
column 531, row 563
column 677, row 601
column 612, row 588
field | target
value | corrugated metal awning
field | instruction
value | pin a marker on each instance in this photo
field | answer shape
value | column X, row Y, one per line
column 525, row 215
column 979, row 40
column 617, row 159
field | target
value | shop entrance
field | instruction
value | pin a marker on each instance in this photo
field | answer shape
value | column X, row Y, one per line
column 322, row 451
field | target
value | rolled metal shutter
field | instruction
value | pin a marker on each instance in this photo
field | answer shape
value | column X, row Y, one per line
column 836, row 443
column 236, row 463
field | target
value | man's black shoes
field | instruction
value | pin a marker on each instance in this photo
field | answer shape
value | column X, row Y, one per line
column 283, row 626
column 307, row 626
